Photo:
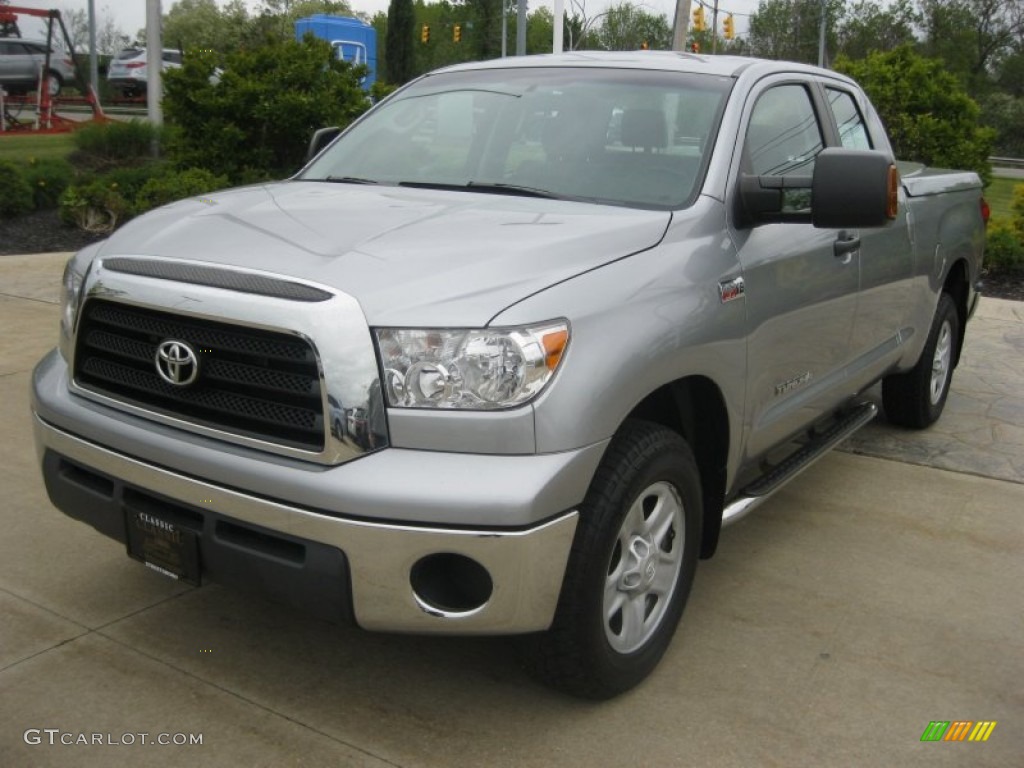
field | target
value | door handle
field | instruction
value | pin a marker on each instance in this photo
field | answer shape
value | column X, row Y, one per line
column 845, row 244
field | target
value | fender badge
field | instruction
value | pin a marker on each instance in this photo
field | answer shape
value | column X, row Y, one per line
column 732, row 289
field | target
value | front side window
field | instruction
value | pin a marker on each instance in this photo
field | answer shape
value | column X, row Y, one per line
column 783, row 137
column 616, row 136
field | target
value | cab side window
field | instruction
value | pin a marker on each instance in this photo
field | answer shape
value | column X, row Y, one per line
column 852, row 132
column 783, row 137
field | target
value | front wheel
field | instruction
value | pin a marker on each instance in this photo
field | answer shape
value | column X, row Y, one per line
column 916, row 398
column 631, row 567
column 54, row 84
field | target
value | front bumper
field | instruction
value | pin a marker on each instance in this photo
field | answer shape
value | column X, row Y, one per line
column 308, row 558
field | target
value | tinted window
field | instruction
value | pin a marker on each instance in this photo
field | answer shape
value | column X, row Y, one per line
column 852, row 132
column 783, row 137
column 617, row 136
column 172, row 56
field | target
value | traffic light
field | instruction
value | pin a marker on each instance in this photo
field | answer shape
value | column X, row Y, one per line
column 695, row 47
column 728, row 28
column 645, row 46
column 457, row 33
column 425, row 34
column 698, row 19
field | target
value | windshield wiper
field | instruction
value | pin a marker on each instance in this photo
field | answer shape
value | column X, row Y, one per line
column 482, row 186
column 347, row 180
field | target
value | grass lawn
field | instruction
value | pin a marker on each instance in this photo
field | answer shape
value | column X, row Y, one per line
column 22, row 146
column 1000, row 194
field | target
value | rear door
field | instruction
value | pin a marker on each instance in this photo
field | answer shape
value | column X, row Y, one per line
column 800, row 284
column 886, row 258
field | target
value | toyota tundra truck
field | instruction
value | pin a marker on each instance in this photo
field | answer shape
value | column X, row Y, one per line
column 511, row 349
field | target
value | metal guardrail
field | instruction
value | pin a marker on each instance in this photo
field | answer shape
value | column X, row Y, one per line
column 1006, row 162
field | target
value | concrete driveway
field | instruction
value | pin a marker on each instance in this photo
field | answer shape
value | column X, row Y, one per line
column 869, row 598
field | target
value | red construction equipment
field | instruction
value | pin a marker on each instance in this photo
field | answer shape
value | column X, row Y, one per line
column 46, row 118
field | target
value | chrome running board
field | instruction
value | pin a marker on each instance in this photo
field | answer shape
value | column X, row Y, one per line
column 761, row 489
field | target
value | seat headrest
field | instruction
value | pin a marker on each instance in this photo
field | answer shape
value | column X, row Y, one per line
column 644, row 128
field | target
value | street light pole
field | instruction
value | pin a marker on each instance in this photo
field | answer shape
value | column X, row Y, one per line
column 154, row 62
column 94, row 68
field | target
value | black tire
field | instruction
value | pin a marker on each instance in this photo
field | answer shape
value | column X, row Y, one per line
column 915, row 399
column 646, row 469
column 58, row 83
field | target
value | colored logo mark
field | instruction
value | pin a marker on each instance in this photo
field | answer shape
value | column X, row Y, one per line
column 958, row 730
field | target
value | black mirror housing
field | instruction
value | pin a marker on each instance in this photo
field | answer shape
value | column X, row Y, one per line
column 850, row 189
column 853, row 189
column 321, row 138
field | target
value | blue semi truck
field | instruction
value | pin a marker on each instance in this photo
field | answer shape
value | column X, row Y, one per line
column 353, row 40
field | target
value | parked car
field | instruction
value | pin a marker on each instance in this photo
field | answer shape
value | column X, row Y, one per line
column 21, row 61
column 587, row 308
column 127, row 71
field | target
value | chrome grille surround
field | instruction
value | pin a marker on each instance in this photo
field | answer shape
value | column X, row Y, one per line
column 334, row 329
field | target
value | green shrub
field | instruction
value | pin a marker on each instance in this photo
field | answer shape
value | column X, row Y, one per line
column 177, row 185
column 97, row 206
column 106, row 145
column 1004, row 249
column 48, row 178
column 1017, row 206
column 255, row 119
column 15, row 191
column 930, row 117
column 129, row 181
column 380, row 90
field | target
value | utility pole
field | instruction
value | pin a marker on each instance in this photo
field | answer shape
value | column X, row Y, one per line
column 556, row 41
column 521, row 28
column 714, row 28
column 94, row 67
column 154, row 62
column 821, row 37
column 680, row 28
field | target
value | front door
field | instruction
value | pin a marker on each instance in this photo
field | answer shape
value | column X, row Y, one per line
column 801, row 289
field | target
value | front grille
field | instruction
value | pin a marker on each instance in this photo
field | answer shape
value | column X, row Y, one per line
column 251, row 382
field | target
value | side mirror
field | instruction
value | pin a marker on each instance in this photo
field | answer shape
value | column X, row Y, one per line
column 850, row 189
column 321, row 138
column 854, row 189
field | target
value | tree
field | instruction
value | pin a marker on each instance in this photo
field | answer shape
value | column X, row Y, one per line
column 867, row 26
column 201, row 24
column 626, row 27
column 928, row 114
column 76, row 22
column 789, row 29
column 971, row 35
column 401, row 61
column 253, row 121
column 110, row 38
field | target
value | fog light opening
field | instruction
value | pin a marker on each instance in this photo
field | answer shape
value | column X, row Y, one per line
column 448, row 584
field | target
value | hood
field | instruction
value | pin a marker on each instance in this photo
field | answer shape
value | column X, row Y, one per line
column 413, row 257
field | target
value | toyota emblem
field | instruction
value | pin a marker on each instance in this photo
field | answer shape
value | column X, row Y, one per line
column 176, row 362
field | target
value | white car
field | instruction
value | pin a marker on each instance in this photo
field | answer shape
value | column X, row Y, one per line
column 21, row 61
column 127, row 70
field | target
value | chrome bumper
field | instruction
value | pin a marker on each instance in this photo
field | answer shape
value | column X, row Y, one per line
column 526, row 566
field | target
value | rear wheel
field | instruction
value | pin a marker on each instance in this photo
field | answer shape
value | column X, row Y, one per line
column 916, row 398
column 631, row 567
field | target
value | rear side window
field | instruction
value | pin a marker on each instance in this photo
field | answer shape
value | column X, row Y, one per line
column 129, row 53
column 852, row 132
column 783, row 137
column 172, row 56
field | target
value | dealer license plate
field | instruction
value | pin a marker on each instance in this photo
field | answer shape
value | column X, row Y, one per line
column 163, row 546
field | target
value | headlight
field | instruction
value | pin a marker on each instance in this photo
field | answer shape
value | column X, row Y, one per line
column 473, row 369
column 71, row 288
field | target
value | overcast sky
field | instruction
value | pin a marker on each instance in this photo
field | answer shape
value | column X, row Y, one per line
column 130, row 15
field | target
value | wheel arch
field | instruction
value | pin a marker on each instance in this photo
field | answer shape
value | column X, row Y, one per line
column 694, row 407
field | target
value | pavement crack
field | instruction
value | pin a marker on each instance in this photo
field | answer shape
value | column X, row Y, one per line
column 48, row 302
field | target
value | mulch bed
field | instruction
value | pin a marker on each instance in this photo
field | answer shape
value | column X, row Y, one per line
column 43, row 232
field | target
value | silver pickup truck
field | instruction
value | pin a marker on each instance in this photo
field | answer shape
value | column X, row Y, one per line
column 507, row 354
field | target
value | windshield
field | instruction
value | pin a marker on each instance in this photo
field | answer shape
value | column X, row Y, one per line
column 627, row 137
